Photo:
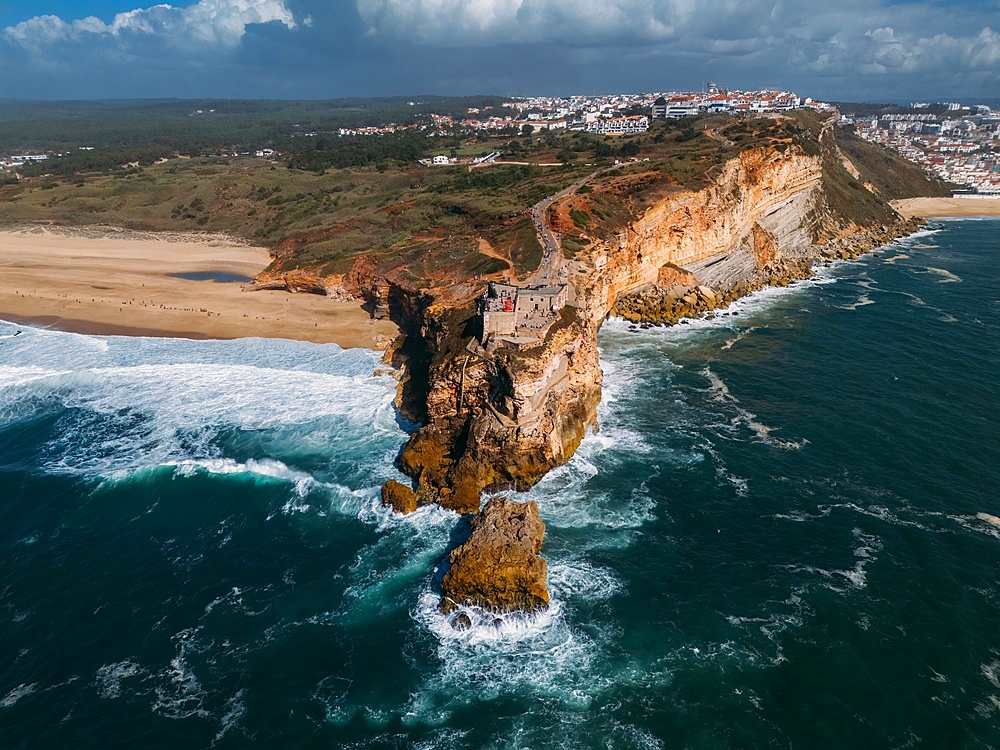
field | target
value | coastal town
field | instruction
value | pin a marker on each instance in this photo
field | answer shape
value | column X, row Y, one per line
column 960, row 144
column 607, row 114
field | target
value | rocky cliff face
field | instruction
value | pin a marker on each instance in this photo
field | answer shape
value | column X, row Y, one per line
column 500, row 419
column 758, row 212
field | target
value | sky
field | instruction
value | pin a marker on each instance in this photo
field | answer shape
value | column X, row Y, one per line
column 845, row 50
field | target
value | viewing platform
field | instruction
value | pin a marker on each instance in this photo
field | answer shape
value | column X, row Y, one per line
column 521, row 314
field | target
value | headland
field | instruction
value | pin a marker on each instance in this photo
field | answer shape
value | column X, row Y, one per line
column 498, row 278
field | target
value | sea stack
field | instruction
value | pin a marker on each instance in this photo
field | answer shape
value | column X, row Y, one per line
column 498, row 567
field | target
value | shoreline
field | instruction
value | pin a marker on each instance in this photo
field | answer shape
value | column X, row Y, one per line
column 104, row 281
column 929, row 208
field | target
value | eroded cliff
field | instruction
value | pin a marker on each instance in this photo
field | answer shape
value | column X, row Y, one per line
column 500, row 417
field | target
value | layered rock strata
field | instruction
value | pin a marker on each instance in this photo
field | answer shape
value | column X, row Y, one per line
column 661, row 304
column 501, row 417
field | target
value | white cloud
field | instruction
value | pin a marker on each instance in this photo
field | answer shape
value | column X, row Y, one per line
column 216, row 22
column 463, row 23
column 884, row 50
column 849, row 36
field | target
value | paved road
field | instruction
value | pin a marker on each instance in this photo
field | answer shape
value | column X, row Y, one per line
column 548, row 270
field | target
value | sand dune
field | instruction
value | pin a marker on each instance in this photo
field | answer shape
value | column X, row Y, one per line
column 119, row 282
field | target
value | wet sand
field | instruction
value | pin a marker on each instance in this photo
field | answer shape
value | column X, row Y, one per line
column 103, row 281
column 963, row 206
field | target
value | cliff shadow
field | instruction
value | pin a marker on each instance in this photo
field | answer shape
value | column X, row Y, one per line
column 459, row 534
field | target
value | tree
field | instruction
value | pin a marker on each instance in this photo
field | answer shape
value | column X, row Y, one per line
column 527, row 130
column 631, row 148
column 566, row 155
column 602, row 150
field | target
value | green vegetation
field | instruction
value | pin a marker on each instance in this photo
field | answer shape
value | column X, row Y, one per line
column 331, row 200
column 893, row 176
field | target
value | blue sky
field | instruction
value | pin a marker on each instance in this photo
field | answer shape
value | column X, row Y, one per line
column 869, row 50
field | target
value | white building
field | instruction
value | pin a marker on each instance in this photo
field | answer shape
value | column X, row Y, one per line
column 619, row 125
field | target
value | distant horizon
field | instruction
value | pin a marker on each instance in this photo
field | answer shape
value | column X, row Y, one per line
column 987, row 101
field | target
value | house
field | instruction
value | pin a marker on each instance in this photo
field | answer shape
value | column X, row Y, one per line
column 440, row 160
column 619, row 125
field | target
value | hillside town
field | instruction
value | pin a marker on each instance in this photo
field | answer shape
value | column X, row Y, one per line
column 958, row 144
column 606, row 114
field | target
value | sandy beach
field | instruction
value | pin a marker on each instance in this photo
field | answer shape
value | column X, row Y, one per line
column 103, row 281
column 962, row 206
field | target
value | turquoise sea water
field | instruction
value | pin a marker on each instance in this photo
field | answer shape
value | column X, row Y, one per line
column 772, row 541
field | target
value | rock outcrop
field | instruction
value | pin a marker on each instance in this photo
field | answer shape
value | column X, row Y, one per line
column 399, row 497
column 498, row 567
column 500, row 417
column 296, row 281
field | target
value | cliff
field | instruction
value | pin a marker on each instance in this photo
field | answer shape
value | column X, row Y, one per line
column 501, row 419
column 498, row 418
column 765, row 220
column 760, row 207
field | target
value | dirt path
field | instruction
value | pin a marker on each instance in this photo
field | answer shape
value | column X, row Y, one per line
column 487, row 249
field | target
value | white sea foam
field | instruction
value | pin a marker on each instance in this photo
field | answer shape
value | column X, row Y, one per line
column 109, row 678
column 738, row 337
column 130, row 404
column 265, row 467
column 13, row 377
column 720, row 393
column 991, row 703
column 569, row 580
column 855, row 577
column 947, row 277
column 863, row 301
column 21, row 691
column 991, row 671
column 980, row 523
column 540, row 654
column 180, row 694
column 989, row 518
column 565, row 501
column 773, row 624
column 234, row 711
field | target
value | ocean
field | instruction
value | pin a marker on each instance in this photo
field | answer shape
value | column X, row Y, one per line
column 784, row 534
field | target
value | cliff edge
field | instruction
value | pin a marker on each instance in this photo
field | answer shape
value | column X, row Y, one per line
column 500, row 410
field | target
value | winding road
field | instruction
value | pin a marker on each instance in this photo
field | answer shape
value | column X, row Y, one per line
column 548, row 269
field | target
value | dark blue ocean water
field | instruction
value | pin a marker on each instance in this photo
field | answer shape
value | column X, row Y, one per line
column 785, row 534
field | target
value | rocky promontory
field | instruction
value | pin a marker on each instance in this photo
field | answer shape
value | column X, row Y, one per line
column 498, row 567
column 499, row 410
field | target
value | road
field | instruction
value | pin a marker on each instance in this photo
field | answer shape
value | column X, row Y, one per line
column 548, row 269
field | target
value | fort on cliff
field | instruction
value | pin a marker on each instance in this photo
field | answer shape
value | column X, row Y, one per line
column 500, row 417
column 527, row 312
